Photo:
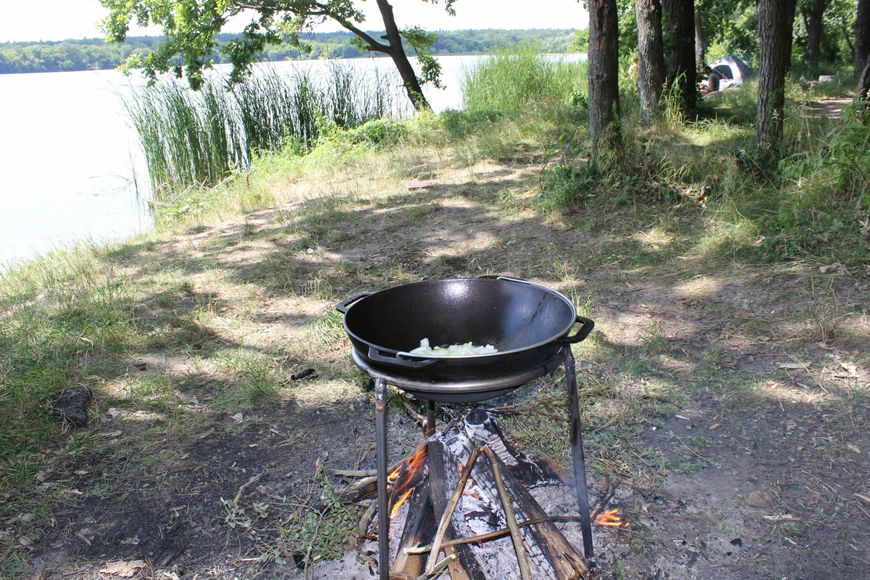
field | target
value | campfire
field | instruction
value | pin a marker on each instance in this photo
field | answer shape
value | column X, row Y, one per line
column 466, row 491
column 466, row 508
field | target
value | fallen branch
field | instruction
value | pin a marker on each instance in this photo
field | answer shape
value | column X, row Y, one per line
column 516, row 537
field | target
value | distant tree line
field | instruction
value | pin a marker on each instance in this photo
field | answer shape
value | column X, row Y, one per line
column 96, row 54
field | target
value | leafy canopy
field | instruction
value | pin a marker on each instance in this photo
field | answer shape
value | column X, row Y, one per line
column 191, row 28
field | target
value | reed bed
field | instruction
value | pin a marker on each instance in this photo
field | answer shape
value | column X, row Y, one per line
column 196, row 139
column 513, row 79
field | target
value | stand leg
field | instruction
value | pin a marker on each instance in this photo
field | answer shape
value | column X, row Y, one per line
column 577, row 456
column 383, row 506
column 429, row 427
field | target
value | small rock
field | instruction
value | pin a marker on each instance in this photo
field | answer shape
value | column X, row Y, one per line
column 72, row 405
column 113, row 412
column 238, row 417
column 305, row 374
column 760, row 498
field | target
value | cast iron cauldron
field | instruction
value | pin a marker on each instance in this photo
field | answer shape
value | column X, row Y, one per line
column 528, row 323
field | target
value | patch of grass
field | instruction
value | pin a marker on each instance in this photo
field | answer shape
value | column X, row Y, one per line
column 257, row 378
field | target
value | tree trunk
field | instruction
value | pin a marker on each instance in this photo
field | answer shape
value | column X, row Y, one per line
column 603, row 57
column 813, row 14
column 651, row 79
column 699, row 41
column 679, row 34
column 864, row 83
column 400, row 59
column 862, row 35
column 775, row 23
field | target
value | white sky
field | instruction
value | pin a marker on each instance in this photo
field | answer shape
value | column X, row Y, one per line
column 22, row 20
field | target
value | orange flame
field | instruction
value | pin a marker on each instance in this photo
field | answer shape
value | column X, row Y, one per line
column 611, row 518
column 402, row 480
column 399, row 503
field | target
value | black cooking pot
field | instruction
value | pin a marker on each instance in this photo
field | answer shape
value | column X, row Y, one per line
column 527, row 323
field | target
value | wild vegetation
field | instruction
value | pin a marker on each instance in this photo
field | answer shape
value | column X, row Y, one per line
column 197, row 139
column 687, row 254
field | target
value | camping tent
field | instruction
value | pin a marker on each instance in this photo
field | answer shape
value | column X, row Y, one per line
column 734, row 72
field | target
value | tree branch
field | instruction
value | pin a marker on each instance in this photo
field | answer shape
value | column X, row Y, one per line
column 348, row 25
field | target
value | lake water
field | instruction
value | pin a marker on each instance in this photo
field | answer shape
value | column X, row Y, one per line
column 70, row 164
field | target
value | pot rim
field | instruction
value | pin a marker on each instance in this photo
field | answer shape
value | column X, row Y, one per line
column 407, row 355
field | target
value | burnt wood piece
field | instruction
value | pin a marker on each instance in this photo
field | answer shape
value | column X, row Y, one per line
column 419, row 528
column 531, row 472
column 479, row 428
column 367, row 487
column 447, row 516
column 438, row 458
column 566, row 561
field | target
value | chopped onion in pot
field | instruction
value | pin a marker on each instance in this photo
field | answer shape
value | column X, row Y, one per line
column 453, row 349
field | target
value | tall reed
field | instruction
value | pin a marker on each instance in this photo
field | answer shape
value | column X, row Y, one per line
column 515, row 78
column 196, row 139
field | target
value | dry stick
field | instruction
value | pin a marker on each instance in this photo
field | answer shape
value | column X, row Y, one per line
column 245, row 487
column 522, row 556
column 439, row 567
column 495, row 535
column 414, row 414
column 448, row 511
column 359, row 486
column 313, row 540
column 365, row 520
column 355, row 472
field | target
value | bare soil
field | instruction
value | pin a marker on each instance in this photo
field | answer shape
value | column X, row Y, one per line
column 726, row 400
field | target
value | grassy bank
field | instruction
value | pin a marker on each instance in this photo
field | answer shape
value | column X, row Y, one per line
column 724, row 296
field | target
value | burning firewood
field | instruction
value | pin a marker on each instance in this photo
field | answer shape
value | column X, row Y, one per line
column 456, row 508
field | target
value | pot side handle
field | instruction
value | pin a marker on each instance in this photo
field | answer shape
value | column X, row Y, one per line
column 345, row 304
column 584, row 331
column 377, row 356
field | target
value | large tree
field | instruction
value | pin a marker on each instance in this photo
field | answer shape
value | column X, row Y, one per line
column 651, row 60
column 775, row 24
column 191, row 26
column 679, row 35
column 862, row 35
column 813, row 12
column 603, row 76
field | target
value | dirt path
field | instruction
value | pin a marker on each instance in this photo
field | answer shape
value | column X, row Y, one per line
column 727, row 401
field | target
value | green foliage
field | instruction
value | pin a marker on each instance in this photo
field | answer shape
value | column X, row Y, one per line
column 515, row 79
